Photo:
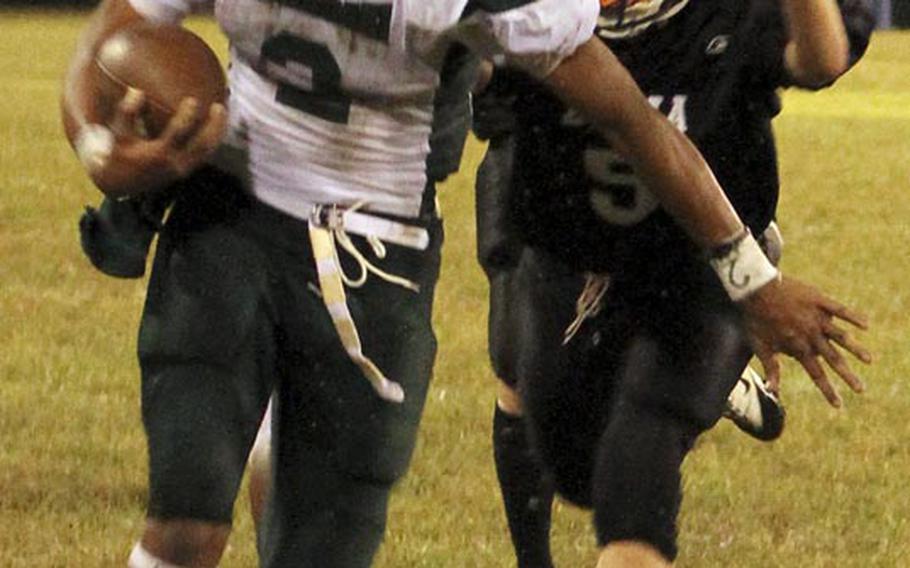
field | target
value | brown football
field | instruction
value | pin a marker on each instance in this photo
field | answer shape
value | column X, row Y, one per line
column 168, row 63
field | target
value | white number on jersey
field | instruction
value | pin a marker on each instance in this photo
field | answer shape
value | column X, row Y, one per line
column 619, row 197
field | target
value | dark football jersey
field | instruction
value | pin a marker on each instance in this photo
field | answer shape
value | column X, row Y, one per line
column 714, row 70
column 451, row 113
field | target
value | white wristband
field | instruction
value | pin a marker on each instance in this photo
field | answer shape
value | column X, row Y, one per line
column 742, row 267
column 94, row 145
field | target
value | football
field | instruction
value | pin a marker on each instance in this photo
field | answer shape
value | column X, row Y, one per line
column 167, row 62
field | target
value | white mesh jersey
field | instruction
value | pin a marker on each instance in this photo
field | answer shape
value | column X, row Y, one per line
column 331, row 100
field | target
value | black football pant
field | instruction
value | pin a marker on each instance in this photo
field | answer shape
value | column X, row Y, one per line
column 615, row 412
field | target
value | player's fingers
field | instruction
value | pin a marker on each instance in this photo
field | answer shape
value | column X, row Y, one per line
column 772, row 377
column 209, row 136
column 127, row 112
column 837, row 362
column 817, row 373
column 183, row 124
column 842, row 338
column 203, row 143
column 843, row 312
column 771, row 365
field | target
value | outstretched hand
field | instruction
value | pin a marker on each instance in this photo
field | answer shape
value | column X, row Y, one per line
column 790, row 317
column 138, row 164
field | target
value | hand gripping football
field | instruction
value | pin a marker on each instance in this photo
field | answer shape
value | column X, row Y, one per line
column 168, row 63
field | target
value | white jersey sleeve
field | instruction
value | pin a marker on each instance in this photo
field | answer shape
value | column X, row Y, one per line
column 534, row 36
column 332, row 100
column 170, row 11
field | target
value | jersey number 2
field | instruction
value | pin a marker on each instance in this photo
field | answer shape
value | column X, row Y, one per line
column 325, row 98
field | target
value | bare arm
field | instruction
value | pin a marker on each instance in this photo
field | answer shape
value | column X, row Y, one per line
column 120, row 161
column 662, row 156
column 817, row 52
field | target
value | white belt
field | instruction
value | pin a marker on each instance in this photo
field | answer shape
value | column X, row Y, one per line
column 357, row 222
column 387, row 230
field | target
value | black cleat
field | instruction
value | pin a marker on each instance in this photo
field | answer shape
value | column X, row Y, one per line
column 754, row 409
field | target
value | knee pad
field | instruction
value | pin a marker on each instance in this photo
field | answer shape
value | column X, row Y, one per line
column 637, row 480
column 565, row 425
column 688, row 383
column 192, row 482
column 197, row 452
column 324, row 517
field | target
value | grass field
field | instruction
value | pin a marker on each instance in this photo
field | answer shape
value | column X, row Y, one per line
column 832, row 493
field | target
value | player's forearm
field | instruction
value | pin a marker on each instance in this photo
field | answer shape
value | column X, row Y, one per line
column 662, row 156
column 77, row 101
column 672, row 167
column 818, row 50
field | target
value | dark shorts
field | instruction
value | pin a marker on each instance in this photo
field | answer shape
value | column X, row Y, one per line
column 233, row 313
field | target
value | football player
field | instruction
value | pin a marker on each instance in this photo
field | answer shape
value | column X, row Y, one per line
column 301, row 257
column 451, row 123
column 717, row 85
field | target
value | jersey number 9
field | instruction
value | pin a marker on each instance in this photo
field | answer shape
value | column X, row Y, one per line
column 617, row 195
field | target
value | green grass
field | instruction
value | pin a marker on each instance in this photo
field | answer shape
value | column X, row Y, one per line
column 830, row 493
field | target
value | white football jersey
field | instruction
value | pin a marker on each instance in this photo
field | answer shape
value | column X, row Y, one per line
column 331, row 100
